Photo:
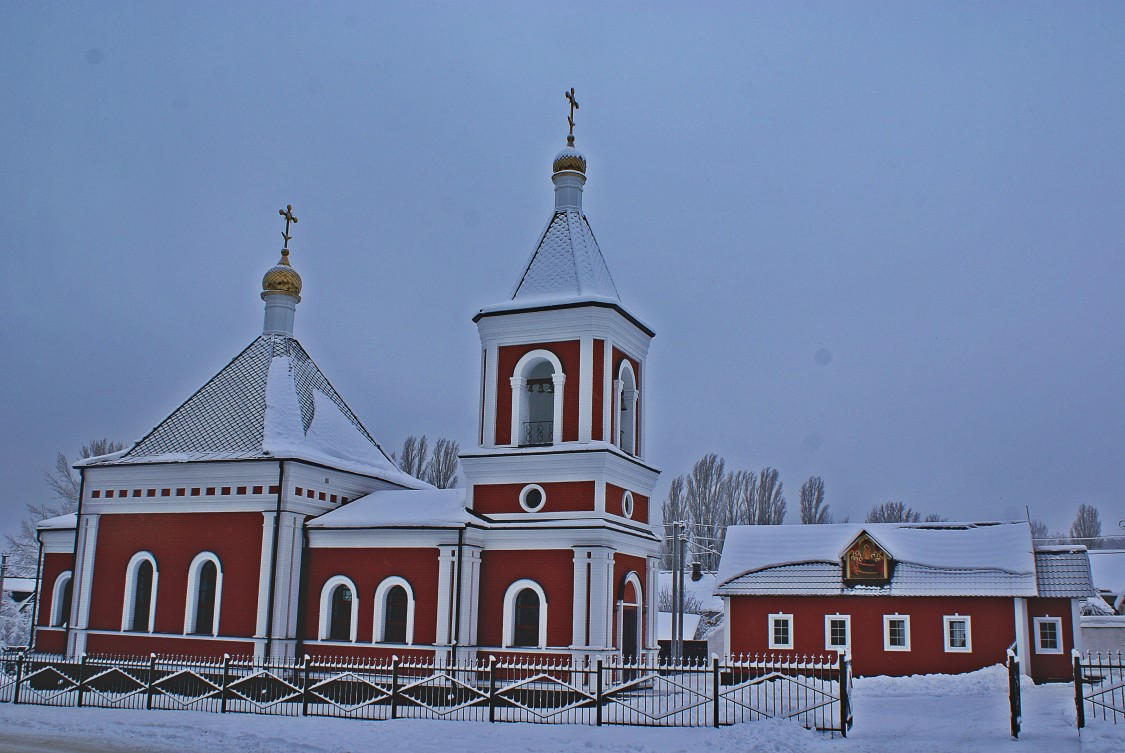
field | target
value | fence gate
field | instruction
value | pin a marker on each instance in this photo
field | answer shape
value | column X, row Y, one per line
column 1099, row 687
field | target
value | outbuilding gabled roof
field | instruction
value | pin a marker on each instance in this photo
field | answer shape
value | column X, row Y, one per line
column 970, row 559
column 270, row 401
column 1064, row 571
column 566, row 263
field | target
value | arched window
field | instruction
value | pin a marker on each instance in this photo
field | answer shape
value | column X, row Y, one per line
column 394, row 611
column 139, row 612
column 60, row 599
column 537, row 399
column 338, row 610
column 525, row 615
column 630, row 611
column 626, row 408
column 204, row 595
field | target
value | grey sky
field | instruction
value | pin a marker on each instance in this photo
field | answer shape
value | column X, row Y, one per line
column 881, row 244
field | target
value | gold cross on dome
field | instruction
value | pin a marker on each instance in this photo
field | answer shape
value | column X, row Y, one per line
column 287, row 213
column 573, row 106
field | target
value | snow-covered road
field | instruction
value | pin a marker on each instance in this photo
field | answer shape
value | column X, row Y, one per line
column 934, row 714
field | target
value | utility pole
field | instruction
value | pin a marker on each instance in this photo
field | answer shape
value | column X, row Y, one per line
column 3, row 574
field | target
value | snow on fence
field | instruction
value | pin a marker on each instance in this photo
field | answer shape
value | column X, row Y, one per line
column 814, row 691
column 1099, row 687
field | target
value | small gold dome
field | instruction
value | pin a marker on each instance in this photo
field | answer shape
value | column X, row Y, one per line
column 570, row 159
column 282, row 278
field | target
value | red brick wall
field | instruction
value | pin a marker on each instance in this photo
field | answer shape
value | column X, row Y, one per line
column 562, row 496
column 509, row 355
column 1050, row 666
column 613, row 497
column 139, row 644
column 174, row 539
column 367, row 568
column 53, row 565
column 359, row 651
column 992, row 630
column 50, row 641
column 599, row 389
column 553, row 570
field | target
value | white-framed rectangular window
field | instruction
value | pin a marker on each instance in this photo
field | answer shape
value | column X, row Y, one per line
column 781, row 631
column 837, row 632
column 1048, row 635
column 958, row 633
column 896, row 632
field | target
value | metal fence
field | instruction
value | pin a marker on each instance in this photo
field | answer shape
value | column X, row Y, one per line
column 814, row 691
column 1099, row 687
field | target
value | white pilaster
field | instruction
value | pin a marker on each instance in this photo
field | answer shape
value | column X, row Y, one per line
column 86, row 540
column 470, row 595
column 618, row 390
column 559, row 381
column 581, row 604
column 607, row 392
column 518, row 386
column 264, row 574
column 1022, row 649
column 491, row 365
column 447, row 560
column 586, row 388
column 652, row 596
column 601, row 598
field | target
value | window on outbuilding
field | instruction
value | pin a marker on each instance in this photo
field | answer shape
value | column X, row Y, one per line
column 781, row 631
column 1048, row 635
column 837, row 632
column 896, row 632
column 958, row 634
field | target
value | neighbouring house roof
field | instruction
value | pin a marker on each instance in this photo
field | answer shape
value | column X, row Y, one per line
column 1064, row 572
column 931, row 559
column 409, row 508
column 1107, row 567
column 59, row 523
column 664, row 626
column 702, row 589
column 270, row 401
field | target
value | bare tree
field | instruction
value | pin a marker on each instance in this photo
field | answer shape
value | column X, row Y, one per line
column 1038, row 529
column 671, row 511
column 936, row 518
column 742, row 499
column 1087, row 526
column 414, row 455
column 892, row 512
column 692, row 604
column 64, row 484
column 771, row 500
column 441, row 471
column 813, row 509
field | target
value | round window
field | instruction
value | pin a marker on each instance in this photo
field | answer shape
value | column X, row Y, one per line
column 532, row 498
column 627, row 504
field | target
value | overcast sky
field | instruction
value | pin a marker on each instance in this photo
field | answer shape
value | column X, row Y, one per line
column 879, row 243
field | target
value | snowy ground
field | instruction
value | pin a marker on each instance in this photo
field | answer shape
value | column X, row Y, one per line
column 938, row 714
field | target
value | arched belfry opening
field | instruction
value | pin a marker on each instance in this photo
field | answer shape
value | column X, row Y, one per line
column 537, row 400
column 627, row 397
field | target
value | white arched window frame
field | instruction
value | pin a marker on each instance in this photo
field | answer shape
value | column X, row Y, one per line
column 131, row 590
column 193, row 585
column 58, row 617
column 634, row 580
column 326, row 606
column 381, row 608
column 520, row 398
column 627, row 396
column 510, row 611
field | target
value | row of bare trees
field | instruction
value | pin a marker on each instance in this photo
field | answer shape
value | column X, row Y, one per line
column 438, row 468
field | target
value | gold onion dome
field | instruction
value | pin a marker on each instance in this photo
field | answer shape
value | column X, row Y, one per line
column 282, row 278
column 570, row 159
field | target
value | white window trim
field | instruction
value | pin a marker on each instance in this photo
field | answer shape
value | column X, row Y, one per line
column 627, row 504
column 193, row 592
column 946, row 621
column 887, row 618
column 326, row 606
column 518, row 380
column 542, row 497
column 828, row 618
column 510, row 613
column 1037, row 621
column 131, row 591
column 380, row 628
column 58, row 619
column 775, row 618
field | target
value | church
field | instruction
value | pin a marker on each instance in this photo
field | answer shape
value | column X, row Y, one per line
column 262, row 518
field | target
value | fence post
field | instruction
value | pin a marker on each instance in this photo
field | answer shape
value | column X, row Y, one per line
column 1079, row 711
column 19, row 679
column 226, row 682
column 598, row 692
column 845, row 676
column 305, row 687
column 1014, row 700
column 151, row 685
column 715, row 686
column 491, row 688
column 394, row 687
column 81, row 678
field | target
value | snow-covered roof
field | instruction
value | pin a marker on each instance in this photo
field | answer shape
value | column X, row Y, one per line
column 270, row 401
column 1063, row 572
column 59, row 523
column 19, row 585
column 930, row 559
column 566, row 263
column 703, row 589
column 664, row 626
column 1108, row 569
column 400, row 508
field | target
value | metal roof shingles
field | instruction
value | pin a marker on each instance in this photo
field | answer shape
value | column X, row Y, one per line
column 1064, row 574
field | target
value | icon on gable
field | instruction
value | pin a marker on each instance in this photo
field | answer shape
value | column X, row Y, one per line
column 866, row 562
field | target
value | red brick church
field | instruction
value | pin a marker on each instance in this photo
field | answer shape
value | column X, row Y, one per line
column 261, row 516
